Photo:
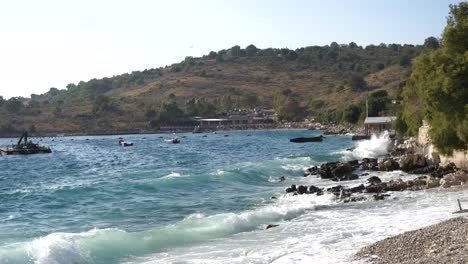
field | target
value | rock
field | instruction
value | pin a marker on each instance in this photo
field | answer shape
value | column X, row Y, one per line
column 357, row 189
column 364, row 174
column 291, row 189
column 281, row 179
column 379, row 197
column 453, row 179
column 411, row 162
column 388, row 164
column 341, row 170
column 374, row 179
column 375, row 188
column 354, row 199
column 271, row 225
column 432, row 182
column 396, row 185
column 314, row 189
column 353, row 163
column 301, row 189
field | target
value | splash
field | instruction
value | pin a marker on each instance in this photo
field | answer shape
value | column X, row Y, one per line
column 376, row 147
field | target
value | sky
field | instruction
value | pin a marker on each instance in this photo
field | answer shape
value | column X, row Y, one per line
column 51, row 43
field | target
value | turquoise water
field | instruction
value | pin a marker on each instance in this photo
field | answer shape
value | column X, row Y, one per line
column 205, row 200
column 92, row 183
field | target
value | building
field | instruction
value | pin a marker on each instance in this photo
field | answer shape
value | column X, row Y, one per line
column 378, row 124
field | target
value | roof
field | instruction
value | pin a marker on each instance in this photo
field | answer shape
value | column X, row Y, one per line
column 379, row 119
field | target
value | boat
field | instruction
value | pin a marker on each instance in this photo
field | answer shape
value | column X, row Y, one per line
column 24, row 147
column 360, row 137
column 172, row 140
column 124, row 143
column 307, row 139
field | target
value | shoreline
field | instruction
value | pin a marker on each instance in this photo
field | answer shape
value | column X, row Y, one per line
column 444, row 242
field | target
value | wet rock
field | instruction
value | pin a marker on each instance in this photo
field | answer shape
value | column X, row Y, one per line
column 364, row 174
column 379, row 197
column 314, row 189
column 301, row 189
column 354, row 199
column 396, row 185
column 357, row 189
column 291, row 189
column 271, row 225
column 388, row 164
column 374, row 179
column 411, row 162
column 353, row 163
column 375, row 188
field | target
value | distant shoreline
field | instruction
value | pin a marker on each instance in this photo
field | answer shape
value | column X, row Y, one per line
column 53, row 135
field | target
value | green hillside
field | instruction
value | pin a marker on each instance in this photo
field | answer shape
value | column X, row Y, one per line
column 309, row 82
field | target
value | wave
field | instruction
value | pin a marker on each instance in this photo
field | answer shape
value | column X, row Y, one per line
column 110, row 245
column 376, row 147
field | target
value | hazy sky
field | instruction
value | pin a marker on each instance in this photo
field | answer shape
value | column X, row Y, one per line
column 51, row 43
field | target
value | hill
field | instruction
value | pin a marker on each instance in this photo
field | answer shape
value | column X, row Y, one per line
column 316, row 81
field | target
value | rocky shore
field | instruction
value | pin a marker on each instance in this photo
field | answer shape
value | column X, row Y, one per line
column 445, row 242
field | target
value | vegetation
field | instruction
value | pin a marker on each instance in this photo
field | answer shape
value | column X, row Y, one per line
column 437, row 89
column 320, row 81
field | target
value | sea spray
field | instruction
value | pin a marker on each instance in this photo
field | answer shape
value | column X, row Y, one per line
column 376, row 147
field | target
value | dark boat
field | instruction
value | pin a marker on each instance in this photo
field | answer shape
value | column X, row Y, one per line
column 24, row 147
column 307, row 139
column 360, row 137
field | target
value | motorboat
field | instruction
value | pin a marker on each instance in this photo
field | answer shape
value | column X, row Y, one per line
column 124, row 143
column 307, row 139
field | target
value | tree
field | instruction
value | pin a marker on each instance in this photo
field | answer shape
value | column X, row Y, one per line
column 102, row 103
column 14, row 104
column 431, row 43
column 377, row 102
column 353, row 45
column 357, row 83
column 235, row 51
column 438, row 85
column 286, row 106
column 170, row 114
column 292, row 55
column 351, row 114
column 251, row 50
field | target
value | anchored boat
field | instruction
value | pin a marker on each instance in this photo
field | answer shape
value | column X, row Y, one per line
column 24, row 147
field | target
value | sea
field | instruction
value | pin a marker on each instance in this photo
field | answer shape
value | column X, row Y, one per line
column 208, row 199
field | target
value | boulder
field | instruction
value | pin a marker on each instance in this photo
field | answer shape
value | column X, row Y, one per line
column 374, row 179
column 454, row 179
column 388, row 164
column 432, row 182
column 291, row 189
column 375, row 188
column 357, row 189
column 314, row 189
column 301, row 189
column 353, row 163
column 411, row 162
column 396, row 185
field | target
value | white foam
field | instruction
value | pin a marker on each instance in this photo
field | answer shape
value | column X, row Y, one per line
column 376, row 147
column 172, row 175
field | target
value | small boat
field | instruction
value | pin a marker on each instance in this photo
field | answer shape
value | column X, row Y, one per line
column 124, row 143
column 360, row 137
column 172, row 140
column 307, row 139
